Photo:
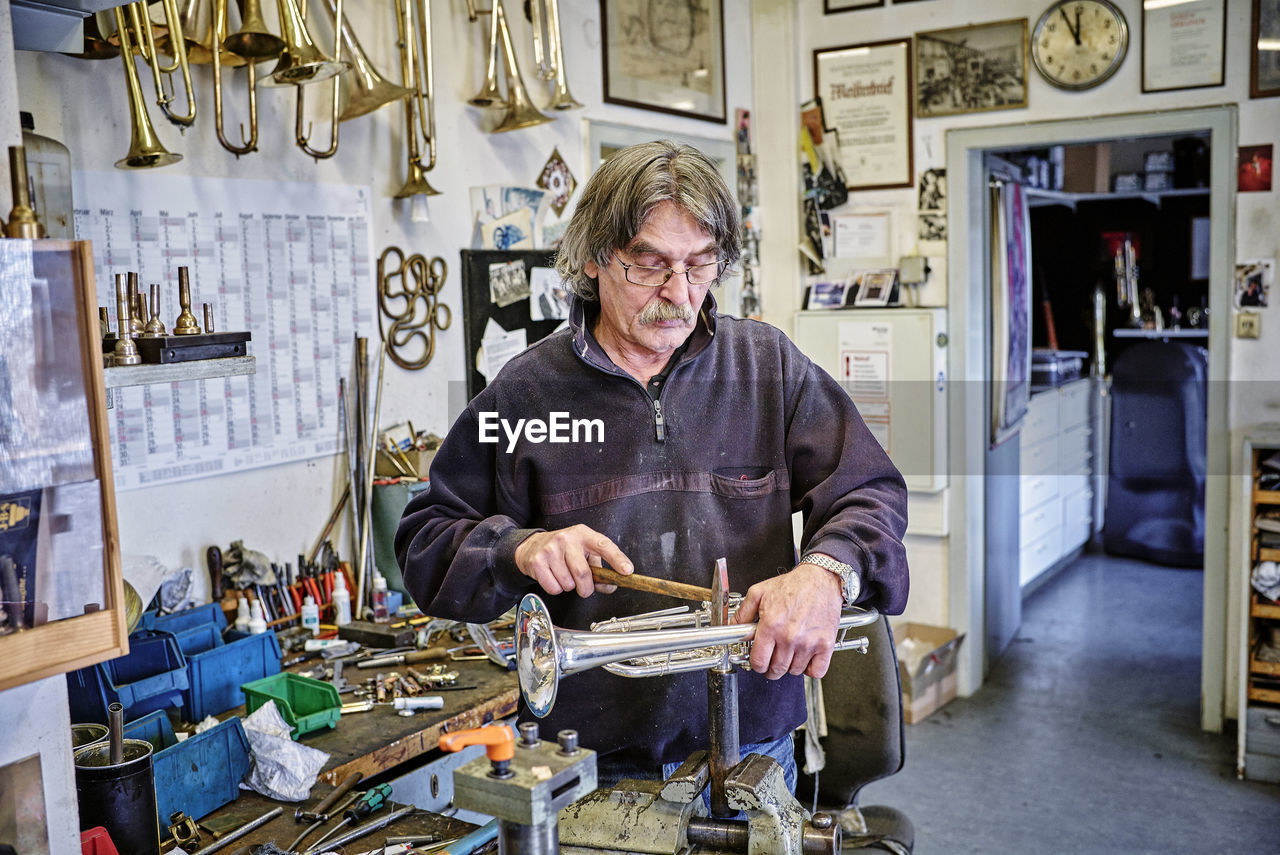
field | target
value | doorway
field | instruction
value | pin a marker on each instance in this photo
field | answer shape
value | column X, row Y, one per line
column 968, row 263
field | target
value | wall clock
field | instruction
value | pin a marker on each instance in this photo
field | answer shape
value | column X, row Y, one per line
column 1079, row 43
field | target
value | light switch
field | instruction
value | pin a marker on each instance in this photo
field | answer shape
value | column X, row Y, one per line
column 1248, row 324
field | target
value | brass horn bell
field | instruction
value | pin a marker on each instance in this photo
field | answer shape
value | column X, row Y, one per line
column 301, row 62
column 253, row 40
column 521, row 112
column 364, row 90
column 145, row 149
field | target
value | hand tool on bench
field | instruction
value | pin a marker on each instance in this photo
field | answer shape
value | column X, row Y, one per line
column 410, row 658
column 319, row 815
column 365, row 805
column 651, row 584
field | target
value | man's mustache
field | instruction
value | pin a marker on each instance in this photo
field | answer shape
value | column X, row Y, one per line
column 665, row 311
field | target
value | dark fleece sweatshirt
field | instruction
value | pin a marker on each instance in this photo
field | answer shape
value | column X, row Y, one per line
column 745, row 431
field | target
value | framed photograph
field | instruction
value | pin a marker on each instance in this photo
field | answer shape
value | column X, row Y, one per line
column 667, row 56
column 1184, row 45
column 1264, row 63
column 877, row 289
column 830, row 6
column 866, row 97
column 971, row 69
column 1253, row 168
column 825, row 295
column 62, row 594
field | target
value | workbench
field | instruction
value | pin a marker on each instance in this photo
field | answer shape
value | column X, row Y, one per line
column 379, row 744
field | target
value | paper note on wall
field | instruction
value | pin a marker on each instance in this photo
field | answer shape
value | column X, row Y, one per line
column 864, row 371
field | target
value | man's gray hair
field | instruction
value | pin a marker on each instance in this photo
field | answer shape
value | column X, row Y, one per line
column 623, row 192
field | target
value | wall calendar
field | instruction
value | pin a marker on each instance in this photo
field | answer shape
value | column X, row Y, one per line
column 287, row 261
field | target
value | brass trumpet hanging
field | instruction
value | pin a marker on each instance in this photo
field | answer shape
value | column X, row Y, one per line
column 145, row 149
column 301, row 62
column 219, row 39
column 364, row 89
column 548, row 52
column 301, row 138
column 253, row 40
column 419, row 109
column 161, row 72
column 520, row 110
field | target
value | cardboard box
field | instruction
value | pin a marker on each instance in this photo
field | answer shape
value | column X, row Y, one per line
column 419, row 460
column 1087, row 168
column 933, row 683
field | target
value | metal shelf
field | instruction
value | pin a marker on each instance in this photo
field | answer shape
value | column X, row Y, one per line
column 1041, row 196
column 117, row 376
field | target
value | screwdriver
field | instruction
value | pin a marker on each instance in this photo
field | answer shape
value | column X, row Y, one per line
column 365, row 805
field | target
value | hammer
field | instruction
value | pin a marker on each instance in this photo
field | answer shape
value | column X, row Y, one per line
column 651, row 584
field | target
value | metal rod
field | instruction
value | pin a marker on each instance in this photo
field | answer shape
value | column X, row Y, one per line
column 367, row 828
column 328, row 526
column 115, row 725
column 366, row 551
column 240, row 832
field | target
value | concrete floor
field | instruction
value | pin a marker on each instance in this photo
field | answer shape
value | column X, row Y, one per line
column 1085, row 737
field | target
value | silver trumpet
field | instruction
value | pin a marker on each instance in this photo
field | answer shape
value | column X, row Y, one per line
column 669, row 642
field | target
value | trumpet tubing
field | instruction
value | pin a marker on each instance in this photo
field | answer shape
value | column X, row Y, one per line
column 419, row 115
column 301, row 62
column 561, row 99
column 677, row 641
column 301, row 138
column 521, row 113
column 161, row 72
column 364, row 89
column 249, row 142
column 145, row 149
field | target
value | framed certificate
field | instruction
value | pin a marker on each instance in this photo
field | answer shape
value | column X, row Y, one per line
column 866, row 97
column 1264, row 65
column 1183, row 45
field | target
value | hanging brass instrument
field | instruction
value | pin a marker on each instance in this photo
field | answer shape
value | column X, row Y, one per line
column 303, row 139
column 548, row 52
column 301, row 62
column 253, row 40
column 419, row 108
column 147, row 36
column 520, row 110
column 99, row 37
column 670, row 642
column 145, row 149
column 249, row 142
column 364, row 89
column 197, row 20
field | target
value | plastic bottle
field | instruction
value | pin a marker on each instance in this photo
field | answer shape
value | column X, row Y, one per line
column 242, row 615
column 257, row 619
column 49, row 172
column 311, row 615
column 381, row 614
column 341, row 600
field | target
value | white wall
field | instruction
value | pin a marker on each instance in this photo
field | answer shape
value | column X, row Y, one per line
column 1254, row 396
column 280, row 510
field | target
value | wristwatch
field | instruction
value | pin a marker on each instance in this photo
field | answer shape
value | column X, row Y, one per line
column 850, row 584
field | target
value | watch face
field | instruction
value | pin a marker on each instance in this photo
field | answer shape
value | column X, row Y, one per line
column 1079, row 43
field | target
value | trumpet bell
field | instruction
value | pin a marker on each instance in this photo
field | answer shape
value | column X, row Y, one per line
column 301, row 62
column 366, row 90
column 146, row 152
column 538, row 656
column 416, row 184
column 253, row 40
column 521, row 113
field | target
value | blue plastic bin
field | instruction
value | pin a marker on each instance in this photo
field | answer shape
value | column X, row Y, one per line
column 198, row 775
column 215, row 674
column 185, row 619
column 151, row 676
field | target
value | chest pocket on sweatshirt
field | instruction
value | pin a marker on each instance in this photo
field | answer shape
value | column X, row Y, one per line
column 666, row 481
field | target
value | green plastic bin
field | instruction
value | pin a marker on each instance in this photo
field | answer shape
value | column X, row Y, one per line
column 304, row 703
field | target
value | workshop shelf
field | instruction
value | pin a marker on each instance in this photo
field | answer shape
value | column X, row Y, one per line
column 304, row 703
column 216, row 673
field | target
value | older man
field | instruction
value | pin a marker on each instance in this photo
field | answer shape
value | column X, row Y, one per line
column 701, row 435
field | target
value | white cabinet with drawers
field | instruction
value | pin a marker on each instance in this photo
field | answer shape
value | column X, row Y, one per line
column 1055, row 494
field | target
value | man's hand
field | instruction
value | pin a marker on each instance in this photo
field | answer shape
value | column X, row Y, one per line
column 798, row 615
column 561, row 560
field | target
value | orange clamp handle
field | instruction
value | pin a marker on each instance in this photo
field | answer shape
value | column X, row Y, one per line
column 499, row 742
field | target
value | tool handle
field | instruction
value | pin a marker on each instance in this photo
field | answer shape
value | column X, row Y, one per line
column 214, row 558
column 369, row 802
column 426, row 655
column 344, row 786
column 498, row 741
column 651, row 584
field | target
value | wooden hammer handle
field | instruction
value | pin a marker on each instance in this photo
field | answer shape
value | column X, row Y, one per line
column 652, row 584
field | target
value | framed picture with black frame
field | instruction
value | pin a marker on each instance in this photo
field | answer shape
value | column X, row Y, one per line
column 1264, row 65
column 1184, row 45
column 830, row 7
column 667, row 57
column 971, row 69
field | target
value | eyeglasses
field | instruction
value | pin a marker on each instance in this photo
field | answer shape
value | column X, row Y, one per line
column 656, row 277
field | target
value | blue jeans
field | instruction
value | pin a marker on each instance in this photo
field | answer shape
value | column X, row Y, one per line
column 610, row 772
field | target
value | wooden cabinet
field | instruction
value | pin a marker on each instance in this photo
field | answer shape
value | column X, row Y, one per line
column 1258, row 736
column 1055, row 490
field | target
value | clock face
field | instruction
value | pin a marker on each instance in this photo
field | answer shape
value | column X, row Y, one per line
column 1079, row 43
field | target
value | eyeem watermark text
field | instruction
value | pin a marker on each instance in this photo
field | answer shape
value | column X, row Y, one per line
column 558, row 427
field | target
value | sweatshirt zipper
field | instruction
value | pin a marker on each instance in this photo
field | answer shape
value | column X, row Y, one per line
column 659, row 423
